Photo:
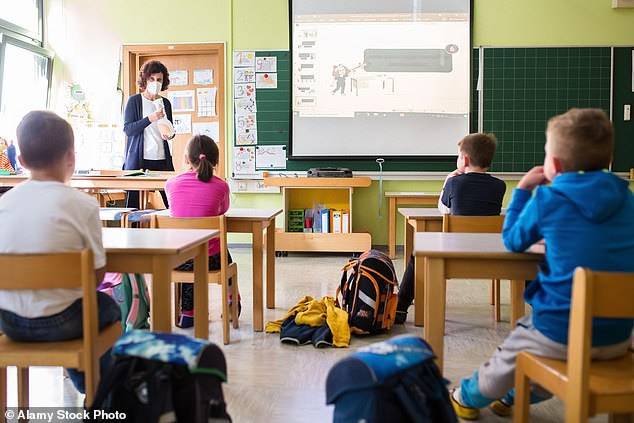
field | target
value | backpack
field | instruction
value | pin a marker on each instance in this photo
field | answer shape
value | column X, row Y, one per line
column 130, row 292
column 368, row 293
column 392, row 381
column 163, row 377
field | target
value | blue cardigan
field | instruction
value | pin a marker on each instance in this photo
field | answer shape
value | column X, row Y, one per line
column 133, row 125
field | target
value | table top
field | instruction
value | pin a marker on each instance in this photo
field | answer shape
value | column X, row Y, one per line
column 411, row 194
column 109, row 213
column 468, row 245
column 414, row 212
column 241, row 213
column 100, row 181
column 249, row 214
column 154, row 241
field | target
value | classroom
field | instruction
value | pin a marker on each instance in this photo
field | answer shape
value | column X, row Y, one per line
column 238, row 75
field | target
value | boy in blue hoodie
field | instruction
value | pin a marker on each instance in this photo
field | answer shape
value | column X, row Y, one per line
column 585, row 219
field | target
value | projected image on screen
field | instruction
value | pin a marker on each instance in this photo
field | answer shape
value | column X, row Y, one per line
column 379, row 77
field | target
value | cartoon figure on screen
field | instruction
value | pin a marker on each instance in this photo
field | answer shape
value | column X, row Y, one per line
column 340, row 73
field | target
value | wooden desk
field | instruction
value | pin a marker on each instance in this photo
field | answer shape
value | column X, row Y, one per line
column 418, row 220
column 429, row 199
column 158, row 251
column 254, row 221
column 441, row 256
column 106, row 182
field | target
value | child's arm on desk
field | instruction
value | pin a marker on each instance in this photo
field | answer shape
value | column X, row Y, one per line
column 521, row 226
column 444, row 204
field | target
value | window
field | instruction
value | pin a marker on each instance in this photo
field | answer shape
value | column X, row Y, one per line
column 25, row 73
column 25, row 66
column 22, row 17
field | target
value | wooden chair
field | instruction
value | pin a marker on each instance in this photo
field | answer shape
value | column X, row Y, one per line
column 214, row 276
column 46, row 271
column 587, row 387
column 478, row 224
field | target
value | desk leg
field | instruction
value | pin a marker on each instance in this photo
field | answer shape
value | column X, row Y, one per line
column 160, row 313
column 270, row 264
column 201, row 295
column 517, row 301
column 419, row 291
column 258, row 312
column 435, row 303
column 391, row 227
column 408, row 243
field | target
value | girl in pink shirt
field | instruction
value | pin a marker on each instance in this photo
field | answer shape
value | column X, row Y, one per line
column 198, row 193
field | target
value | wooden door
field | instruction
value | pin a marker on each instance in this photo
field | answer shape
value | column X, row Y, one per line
column 183, row 57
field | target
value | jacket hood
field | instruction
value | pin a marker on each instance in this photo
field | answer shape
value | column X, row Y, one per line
column 597, row 194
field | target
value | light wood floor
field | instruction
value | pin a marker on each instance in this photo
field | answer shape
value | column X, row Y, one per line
column 273, row 382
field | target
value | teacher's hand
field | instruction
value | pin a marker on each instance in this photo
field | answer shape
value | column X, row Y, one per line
column 159, row 114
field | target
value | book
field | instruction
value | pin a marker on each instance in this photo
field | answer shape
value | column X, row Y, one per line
column 345, row 221
column 324, row 214
column 335, row 221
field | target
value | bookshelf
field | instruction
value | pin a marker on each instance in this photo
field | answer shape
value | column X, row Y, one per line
column 305, row 193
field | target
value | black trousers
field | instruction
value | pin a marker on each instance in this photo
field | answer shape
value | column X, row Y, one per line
column 132, row 197
column 187, row 289
column 406, row 288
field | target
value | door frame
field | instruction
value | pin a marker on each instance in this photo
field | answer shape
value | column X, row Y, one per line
column 133, row 53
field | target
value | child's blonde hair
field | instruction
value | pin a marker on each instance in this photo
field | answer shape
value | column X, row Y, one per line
column 582, row 139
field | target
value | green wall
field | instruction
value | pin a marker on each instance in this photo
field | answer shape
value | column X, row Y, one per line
column 263, row 24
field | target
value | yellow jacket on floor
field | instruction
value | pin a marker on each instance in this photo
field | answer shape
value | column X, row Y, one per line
column 309, row 311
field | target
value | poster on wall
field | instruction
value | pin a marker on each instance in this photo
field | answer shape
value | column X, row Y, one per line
column 182, row 123
column 203, row 76
column 206, row 102
column 243, row 75
column 244, row 90
column 211, row 129
column 266, row 64
column 244, row 160
column 182, row 101
column 270, row 157
column 266, row 80
column 243, row 59
column 245, row 105
column 178, row 78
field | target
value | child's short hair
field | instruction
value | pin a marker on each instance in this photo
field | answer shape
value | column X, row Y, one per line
column 43, row 138
column 582, row 139
column 480, row 148
column 203, row 153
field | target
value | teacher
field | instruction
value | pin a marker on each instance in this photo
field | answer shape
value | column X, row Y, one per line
column 147, row 146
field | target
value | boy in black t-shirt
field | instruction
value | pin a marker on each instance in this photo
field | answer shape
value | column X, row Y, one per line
column 469, row 191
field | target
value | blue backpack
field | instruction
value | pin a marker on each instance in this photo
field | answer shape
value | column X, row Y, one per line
column 392, row 381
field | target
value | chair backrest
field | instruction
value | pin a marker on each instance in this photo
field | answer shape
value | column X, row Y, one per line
column 56, row 270
column 473, row 224
column 212, row 222
column 594, row 294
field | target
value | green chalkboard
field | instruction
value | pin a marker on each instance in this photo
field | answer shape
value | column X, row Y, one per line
column 523, row 88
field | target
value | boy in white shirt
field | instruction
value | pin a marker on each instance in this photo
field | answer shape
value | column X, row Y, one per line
column 44, row 215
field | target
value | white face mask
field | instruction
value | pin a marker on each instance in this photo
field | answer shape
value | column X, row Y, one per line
column 153, row 87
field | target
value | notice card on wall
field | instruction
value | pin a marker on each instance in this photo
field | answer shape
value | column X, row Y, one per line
column 244, row 160
column 270, row 157
column 243, row 59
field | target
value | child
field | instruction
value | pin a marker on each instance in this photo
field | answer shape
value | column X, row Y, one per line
column 198, row 193
column 468, row 190
column 35, row 217
column 5, row 162
column 585, row 218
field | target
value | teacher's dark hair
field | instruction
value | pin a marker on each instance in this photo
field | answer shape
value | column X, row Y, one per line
column 152, row 67
column 203, row 153
column 44, row 138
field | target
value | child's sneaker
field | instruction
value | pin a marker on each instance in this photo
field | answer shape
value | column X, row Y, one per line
column 462, row 411
column 400, row 318
column 501, row 408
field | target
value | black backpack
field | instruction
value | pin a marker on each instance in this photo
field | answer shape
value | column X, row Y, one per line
column 164, row 388
column 367, row 294
column 392, row 381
